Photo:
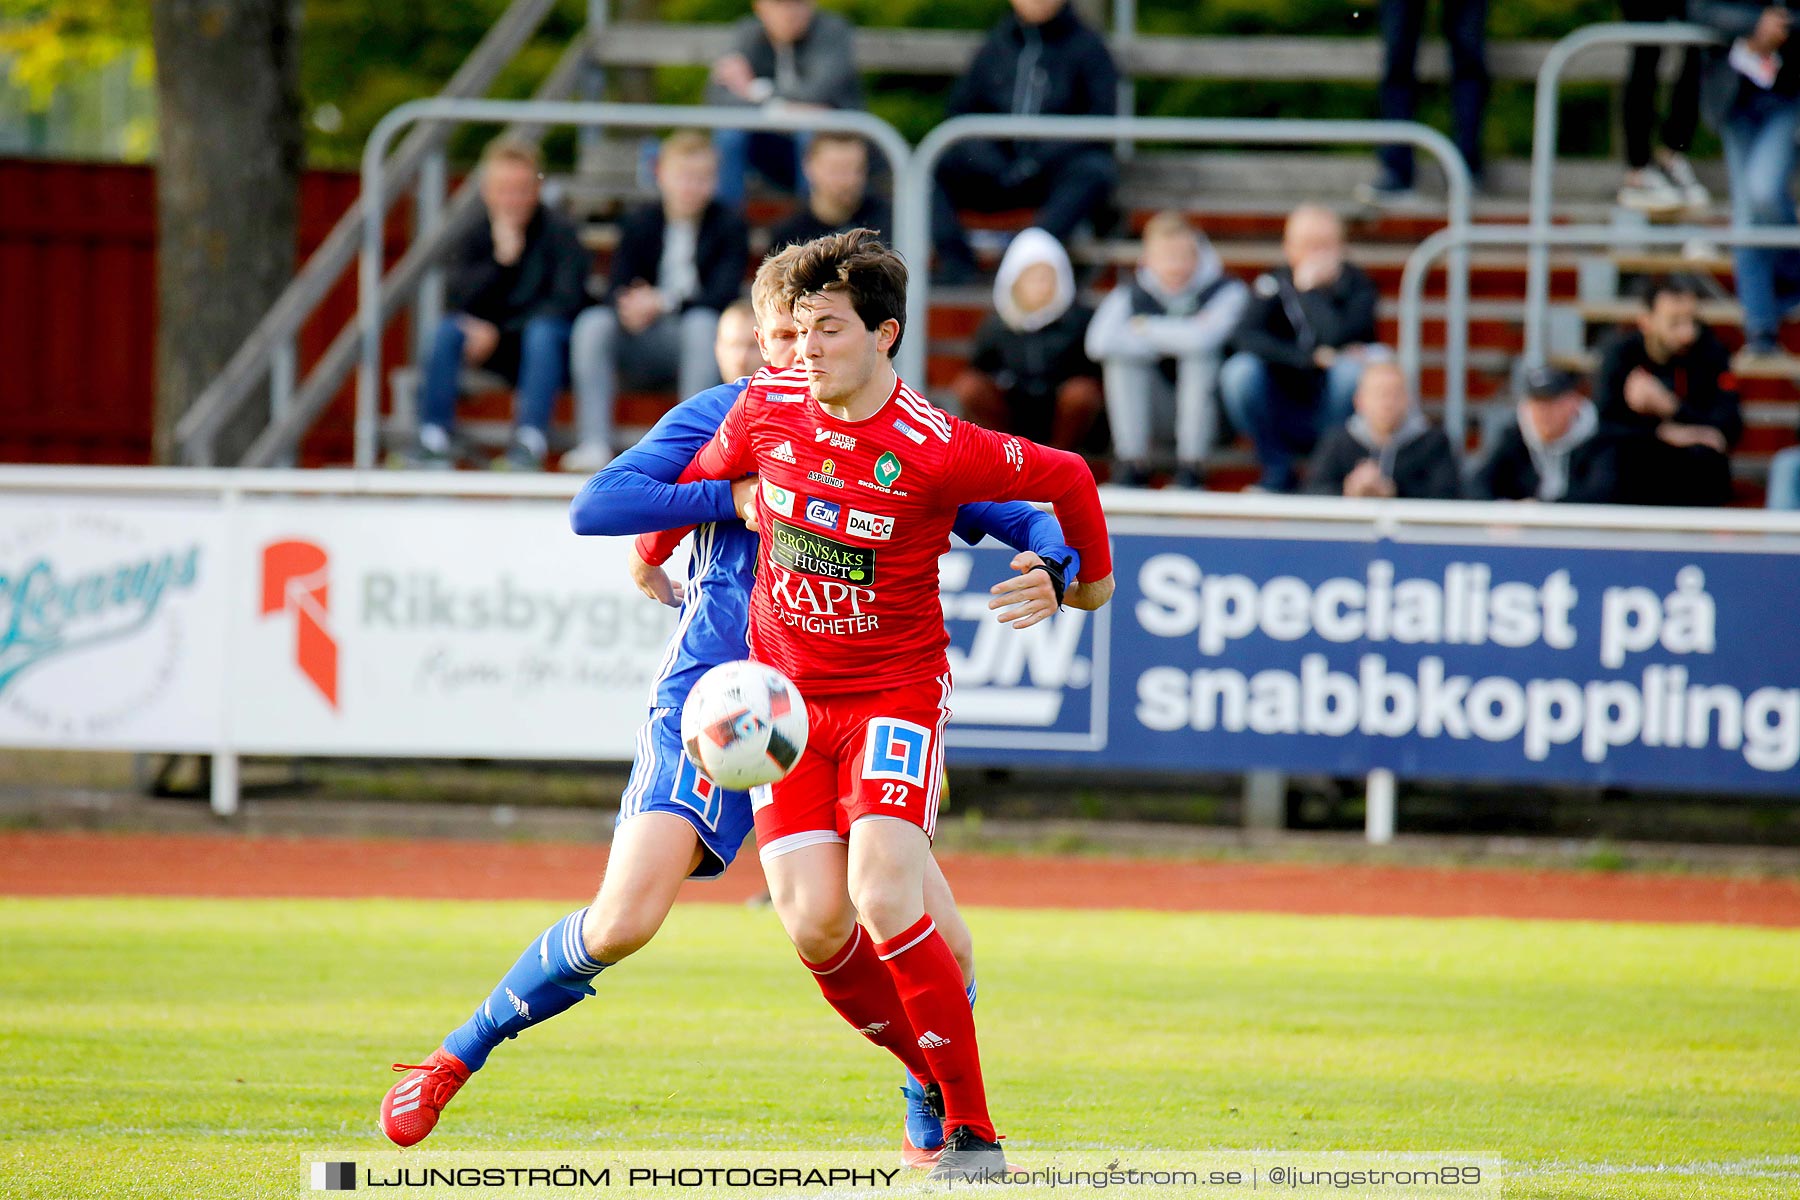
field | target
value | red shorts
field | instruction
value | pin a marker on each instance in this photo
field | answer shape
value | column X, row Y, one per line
column 868, row 754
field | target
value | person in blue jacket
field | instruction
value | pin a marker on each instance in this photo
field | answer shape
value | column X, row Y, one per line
column 673, row 822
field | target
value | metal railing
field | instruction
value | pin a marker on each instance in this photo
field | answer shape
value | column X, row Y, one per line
column 269, row 353
column 372, row 313
column 1544, row 123
column 1534, row 240
column 912, row 200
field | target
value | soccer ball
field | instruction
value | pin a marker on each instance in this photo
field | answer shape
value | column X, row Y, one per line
column 744, row 724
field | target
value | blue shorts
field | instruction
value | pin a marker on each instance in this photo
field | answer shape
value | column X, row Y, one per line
column 663, row 780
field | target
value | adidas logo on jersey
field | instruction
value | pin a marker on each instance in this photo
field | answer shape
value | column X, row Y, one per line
column 931, row 1041
column 784, row 452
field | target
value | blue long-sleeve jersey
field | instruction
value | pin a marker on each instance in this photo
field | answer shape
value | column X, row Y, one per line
column 638, row 493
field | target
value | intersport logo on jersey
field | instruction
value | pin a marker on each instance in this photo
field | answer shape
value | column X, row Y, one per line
column 1043, row 687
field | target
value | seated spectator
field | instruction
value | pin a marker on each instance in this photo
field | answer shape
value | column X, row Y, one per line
column 1040, row 60
column 1159, row 339
column 1028, row 374
column 679, row 264
column 515, row 281
column 1299, row 346
column 1668, row 401
column 1553, row 451
column 1387, row 448
column 837, row 194
column 1750, row 94
column 788, row 54
column 736, row 348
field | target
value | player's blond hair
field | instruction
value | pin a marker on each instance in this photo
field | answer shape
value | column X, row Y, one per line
column 771, row 280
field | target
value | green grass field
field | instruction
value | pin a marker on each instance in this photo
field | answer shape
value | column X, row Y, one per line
column 196, row 1048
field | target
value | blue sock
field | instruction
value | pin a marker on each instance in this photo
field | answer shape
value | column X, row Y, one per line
column 550, row 977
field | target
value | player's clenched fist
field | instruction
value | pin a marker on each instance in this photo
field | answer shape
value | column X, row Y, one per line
column 743, row 496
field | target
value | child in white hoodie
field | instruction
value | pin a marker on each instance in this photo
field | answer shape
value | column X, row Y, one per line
column 1029, row 374
column 1160, row 337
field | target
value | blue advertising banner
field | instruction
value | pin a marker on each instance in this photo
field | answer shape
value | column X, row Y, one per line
column 1643, row 667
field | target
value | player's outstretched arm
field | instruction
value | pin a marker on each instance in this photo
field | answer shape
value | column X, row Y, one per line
column 994, row 466
column 1044, row 564
column 641, row 490
column 724, row 458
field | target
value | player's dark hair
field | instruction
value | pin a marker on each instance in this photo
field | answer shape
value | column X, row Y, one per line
column 858, row 265
column 1668, row 285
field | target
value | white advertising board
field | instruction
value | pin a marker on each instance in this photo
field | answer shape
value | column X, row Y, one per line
column 110, row 612
column 436, row 627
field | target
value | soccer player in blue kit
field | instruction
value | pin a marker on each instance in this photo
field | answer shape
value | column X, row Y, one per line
column 673, row 823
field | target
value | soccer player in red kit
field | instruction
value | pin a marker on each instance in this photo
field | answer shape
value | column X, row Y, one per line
column 860, row 481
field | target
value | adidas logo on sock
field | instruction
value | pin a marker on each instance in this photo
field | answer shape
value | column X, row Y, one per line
column 785, row 452
column 931, row 1041
column 872, row 1028
column 522, row 1008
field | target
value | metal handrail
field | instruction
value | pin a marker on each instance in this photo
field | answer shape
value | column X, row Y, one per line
column 1419, row 262
column 912, row 200
column 199, row 427
column 370, row 314
column 1544, row 121
column 1119, row 503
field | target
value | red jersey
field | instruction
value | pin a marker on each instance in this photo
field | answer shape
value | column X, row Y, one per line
column 854, row 516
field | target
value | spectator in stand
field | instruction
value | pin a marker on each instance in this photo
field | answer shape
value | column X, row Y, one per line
column 1387, row 448
column 736, row 349
column 1669, row 402
column 788, row 54
column 837, row 194
column 515, row 281
column 1465, row 29
column 1029, row 374
column 679, row 264
column 1665, row 183
column 1160, row 338
column 1750, row 93
column 1299, row 346
column 1553, row 451
column 1039, row 60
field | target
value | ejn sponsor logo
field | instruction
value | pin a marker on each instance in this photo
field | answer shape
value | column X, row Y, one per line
column 296, row 579
column 333, row 1177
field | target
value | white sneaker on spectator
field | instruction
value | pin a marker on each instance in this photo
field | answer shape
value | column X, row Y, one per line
column 586, row 458
column 1650, row 191
column 1680, row 173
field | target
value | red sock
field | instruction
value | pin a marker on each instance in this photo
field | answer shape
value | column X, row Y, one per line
column 931, row 987
column 859, row 985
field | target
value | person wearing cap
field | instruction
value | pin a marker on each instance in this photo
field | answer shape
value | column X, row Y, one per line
column 1668, row 401
column 1552, row 450
column 1387, row 448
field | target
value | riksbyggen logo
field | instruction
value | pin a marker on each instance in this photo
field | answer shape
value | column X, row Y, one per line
column 296, row 581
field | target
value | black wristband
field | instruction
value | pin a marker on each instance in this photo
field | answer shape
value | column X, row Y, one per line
column 1054, row 569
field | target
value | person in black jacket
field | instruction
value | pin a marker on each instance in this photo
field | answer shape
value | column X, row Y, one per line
column 838, row 198
column 1029, row 374
column 1668, row 401
column 679, row 264
column 1553, row 451
column 515, row 281
column 1387, row 448
column 788, row 55
column 1299, row 346
column 1040, row 60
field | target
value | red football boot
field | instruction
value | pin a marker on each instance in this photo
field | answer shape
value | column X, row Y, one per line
column 410, row 1110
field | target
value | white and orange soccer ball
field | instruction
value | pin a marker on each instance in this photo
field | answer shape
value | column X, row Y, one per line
column 744, row 724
